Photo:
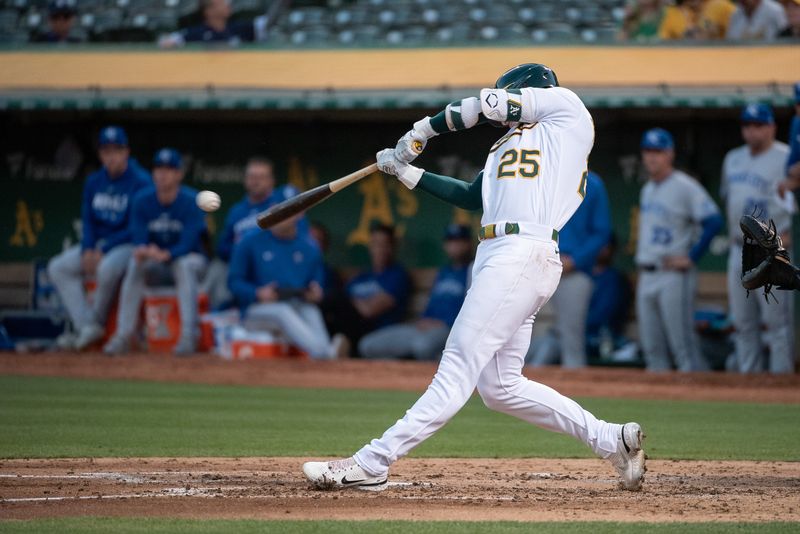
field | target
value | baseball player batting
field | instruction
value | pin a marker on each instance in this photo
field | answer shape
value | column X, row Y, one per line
column 533, row 181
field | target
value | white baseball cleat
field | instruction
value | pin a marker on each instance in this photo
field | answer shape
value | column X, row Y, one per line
column 340, row 474
column 629, row 458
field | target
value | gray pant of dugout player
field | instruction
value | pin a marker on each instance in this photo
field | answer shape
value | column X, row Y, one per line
column 749, row 313
column 403, row 340
column 215, row 283
column 571, row 306
column 300, row 322
column 66, row 275
column 665, row 311
column 184, row 272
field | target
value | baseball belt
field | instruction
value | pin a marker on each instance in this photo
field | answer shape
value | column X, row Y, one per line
column 490, row 231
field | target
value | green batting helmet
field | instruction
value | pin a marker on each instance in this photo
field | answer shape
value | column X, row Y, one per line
column 527, row 75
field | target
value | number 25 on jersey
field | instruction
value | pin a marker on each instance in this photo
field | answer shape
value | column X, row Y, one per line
column 519, row 163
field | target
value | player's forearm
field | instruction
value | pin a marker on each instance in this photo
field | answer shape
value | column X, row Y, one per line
column 244, row 292
column 453, row 191
column 373, row 306
column 711, row 227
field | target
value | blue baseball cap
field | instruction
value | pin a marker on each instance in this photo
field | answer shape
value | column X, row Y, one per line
column 757, row 113
column 113, row 135
column 657, row 139
column 457, row 231
column 797, row 93
column 167, row 157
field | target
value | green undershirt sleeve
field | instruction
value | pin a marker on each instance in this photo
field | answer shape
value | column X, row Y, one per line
column 465, row 195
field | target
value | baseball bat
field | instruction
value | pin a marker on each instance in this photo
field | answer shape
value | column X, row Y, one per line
column 312, row 197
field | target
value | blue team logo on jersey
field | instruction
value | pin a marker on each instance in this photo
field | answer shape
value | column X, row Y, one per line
column 109, row 202
column 661, row 236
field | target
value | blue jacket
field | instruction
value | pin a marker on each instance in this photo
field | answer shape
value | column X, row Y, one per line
column 241, row 220
column 447, row 294
column 106, row 206
column 794, row 142
column 589, row 229
column 392, row 280
column 176, row 227
column 262, row 259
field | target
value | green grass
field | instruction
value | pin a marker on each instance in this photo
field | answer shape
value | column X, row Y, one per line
column 53, row 417
column 90, row 525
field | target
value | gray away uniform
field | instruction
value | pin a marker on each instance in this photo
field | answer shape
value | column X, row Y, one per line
column 749, row 187
column 669, row 224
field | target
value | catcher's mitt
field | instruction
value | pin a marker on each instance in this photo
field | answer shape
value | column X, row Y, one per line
column 765, row 263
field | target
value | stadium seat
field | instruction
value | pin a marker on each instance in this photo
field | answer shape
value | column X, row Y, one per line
column 345, row 20
column 312, row 36
column 8, row 21
column 458, row 33
column 553, row 33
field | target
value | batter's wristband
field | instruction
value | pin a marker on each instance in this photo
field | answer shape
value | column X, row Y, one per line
column 410, row 176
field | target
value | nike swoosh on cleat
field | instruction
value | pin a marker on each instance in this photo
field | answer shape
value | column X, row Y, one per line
column 347, row 482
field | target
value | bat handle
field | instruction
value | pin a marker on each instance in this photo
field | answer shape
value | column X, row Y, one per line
column 344, row 181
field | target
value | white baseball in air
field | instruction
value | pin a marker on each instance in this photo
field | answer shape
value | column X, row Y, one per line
column 208, row 201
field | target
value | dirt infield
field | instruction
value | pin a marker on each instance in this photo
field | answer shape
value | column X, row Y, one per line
column 485, row 489
column 519, row 490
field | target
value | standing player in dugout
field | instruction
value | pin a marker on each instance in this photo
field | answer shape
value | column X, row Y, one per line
column 533, row 181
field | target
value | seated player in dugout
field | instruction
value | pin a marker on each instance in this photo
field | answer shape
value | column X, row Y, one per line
column 277, row 279
column 260, row 194
column 378, row 296
column 167, row 228
column 424, row 339
column 105, row 247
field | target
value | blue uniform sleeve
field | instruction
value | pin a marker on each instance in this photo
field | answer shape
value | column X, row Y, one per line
column 396, row 285
column 88, row 239
column 239, row 275
column 318, row 275
column 794, row 143
column 711, row 226
column 429, row 309
column 225, row 241
column 599, row 226
column 193, row 226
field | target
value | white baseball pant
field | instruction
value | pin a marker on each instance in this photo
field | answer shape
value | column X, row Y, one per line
column 513, row 277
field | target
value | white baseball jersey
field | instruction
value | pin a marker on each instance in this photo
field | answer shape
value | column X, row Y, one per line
column 669, row 215
column 750, row 187
column 537, row 172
